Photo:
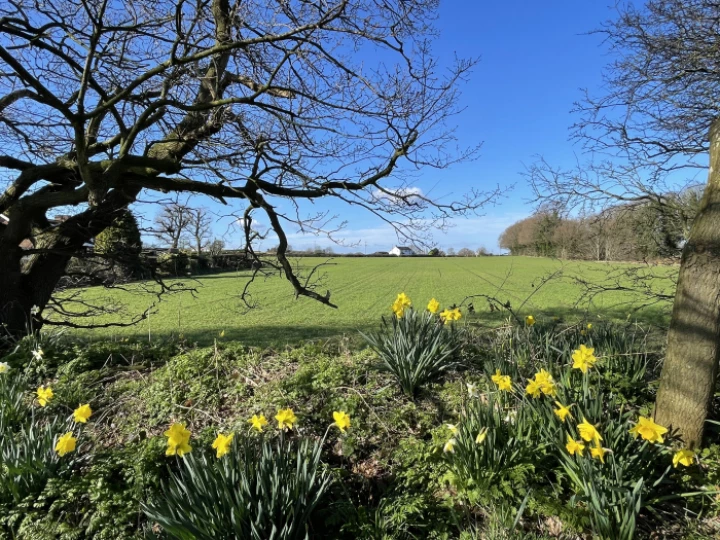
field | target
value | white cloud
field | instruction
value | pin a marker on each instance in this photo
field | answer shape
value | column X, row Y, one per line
column 397, row 195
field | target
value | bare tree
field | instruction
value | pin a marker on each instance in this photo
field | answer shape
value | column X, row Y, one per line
column 258, row 102
column 200, row 228
column 657, row 120
column 173, row 221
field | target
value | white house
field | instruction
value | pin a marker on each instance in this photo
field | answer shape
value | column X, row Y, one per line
column 401, row 251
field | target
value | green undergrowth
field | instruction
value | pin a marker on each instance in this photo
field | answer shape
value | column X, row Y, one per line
column 392, row 479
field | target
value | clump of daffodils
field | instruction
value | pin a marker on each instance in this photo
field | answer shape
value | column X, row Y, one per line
column 543, row 383
column 401, row 303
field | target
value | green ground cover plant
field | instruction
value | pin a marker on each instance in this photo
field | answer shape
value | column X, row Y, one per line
column 540, row 432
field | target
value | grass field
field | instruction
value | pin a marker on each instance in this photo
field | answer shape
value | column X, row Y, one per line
column 364, row 289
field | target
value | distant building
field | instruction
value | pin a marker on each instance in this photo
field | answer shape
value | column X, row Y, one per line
column 401, row 251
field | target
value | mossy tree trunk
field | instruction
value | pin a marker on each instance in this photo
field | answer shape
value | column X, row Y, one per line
column 687, row 382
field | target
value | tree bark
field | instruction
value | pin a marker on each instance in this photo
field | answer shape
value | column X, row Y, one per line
column 687, row 381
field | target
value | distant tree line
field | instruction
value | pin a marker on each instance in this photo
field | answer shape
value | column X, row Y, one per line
column 629, row 232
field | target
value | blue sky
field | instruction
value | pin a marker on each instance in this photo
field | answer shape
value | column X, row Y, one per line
column 534, row 59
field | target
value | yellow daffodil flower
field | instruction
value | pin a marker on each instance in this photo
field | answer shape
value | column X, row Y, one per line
column 545, row 383
column 683, row 457
column 456, row 314
column 529, row 320
column 481, row 436
column 178, row 440
column 453, row 428
column 65, row 444
column 449, row 447
column 404, row 300
column 599, row 452
column 398, row 309
column 433, row 306
column 562, row 411
column 583, row 358
column 82, row 414
column 447, row 316
column 285, row 418
column 533, row 389
column 342, row 420
column 4, row 367
column 44, row 395
column 589, row 326
column 222, row 334
column 574, row 447
column 258, row 422
column 649, row 430
column 502, row 381
column 588, row 432
column 222, row 444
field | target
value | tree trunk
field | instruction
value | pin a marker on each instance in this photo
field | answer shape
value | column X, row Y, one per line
column 687, row 381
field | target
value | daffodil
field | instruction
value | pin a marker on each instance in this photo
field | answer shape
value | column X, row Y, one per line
column 583, row 358
column 44, row 395
column 449, row 447
column 38, row 354
column 342, row 420
column 258, row 422
column 65, row 444
column 574, row 447
column 589, row 326
column 433, row 306
column 588, row 432
column 222, row 334
column 4, row 367
column 599, row 452
column 178, row 440
column 502, row 381
column 453, row 428
column 285, row 419
column 404, row 300
column 562, row 412
column 543, row 383
column 456, row 314
column 649, row 430
column 82, row 414
column 34, row 310
column 222, row 444
column 472, row 390
column 447, row 316
column 683, row 457
column 481, row 436
column 533, row 389
column 529, row 320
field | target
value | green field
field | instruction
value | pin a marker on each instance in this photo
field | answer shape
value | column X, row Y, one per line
column 364, row 289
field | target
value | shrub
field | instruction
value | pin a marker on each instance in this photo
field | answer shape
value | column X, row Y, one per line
column 261, row 490
column 416, row 348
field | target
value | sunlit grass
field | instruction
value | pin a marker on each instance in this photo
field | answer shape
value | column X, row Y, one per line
column 364, row 289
